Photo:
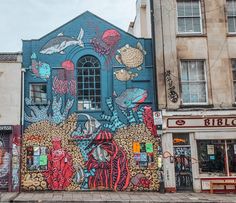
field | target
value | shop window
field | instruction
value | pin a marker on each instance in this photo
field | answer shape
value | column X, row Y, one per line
column 193, row 82
column 231, row 15
column 231, row 147
column 89, row 83
column 217, row 156
column 38, row 93
column 189, row 16
column 234, row 77
column 36, row 158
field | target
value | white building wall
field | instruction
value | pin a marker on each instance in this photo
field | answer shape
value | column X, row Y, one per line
column 10, row 91
column 141, row 27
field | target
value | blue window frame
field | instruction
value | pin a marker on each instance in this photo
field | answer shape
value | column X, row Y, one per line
column 89, row 83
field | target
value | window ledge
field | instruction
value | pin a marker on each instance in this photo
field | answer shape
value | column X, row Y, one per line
column 185, row 106
column 89, row 111
column 234, row 105
column 191, row 35
column 231, row 35
column 45, row 104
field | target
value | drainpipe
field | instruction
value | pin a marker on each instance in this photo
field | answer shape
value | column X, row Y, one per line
column 161, row 175
column 21, row 121
column 156, row 107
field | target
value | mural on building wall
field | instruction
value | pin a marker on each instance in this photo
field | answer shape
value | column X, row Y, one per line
column 40, row 113
column 61, row 157
column 64, row 81
column 130, row 57
column 16, row 161
column 124, row 75
column 112, row 149
column 59, row 43
column 131, row 98
column 106, row 44
column 172, row 94
column 4, row 161
column 40, row 69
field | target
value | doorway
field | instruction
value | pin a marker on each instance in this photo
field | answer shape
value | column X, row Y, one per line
column 4, row 161
column 183, row 164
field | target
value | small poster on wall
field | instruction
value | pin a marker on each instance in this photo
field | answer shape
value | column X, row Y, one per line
column 149, row 147
column 143, row 157
column 43, row 160
column 210, row 149
column 36, row 162
column 142, row 147
column 136, row 147
column 36, row 150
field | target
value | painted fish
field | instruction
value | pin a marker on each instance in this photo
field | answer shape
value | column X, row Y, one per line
column 79, row 174
column 131, row 57
column 100, row 154
column 91, row 125
column 40, row 69
column 131, row 98
column 124, row 75
column 61, row 42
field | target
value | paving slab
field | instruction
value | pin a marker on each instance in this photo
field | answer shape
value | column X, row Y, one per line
column 116, row 197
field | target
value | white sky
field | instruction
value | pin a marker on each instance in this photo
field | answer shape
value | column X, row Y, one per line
column 32, row 19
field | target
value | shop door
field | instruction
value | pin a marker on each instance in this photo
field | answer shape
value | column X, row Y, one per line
column 4, row 161
column 183, row 168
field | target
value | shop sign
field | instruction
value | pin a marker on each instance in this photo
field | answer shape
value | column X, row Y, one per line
column 5, row 127
column 157, row 116
column 206, row 122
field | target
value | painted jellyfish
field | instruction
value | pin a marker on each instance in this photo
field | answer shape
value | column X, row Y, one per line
column 107, row 43
column 64, row 81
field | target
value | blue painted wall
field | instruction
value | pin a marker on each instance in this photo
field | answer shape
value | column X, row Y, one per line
column 42, row 65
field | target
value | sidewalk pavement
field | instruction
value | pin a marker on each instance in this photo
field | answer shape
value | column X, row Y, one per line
column 116, row 197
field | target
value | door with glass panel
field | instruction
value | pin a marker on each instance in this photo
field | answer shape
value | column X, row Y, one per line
column 183, row 163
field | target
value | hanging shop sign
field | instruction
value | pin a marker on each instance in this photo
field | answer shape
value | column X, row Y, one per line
column 206, row 122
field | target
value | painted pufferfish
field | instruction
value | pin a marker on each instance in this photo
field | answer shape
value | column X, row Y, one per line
column 131, row 57
column 124, row 75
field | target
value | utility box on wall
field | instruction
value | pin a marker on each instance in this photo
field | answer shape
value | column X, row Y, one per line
column 89, row 96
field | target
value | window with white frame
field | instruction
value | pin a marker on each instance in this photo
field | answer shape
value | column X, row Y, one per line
column 193, row 82
column 231, row 15
column 89, row 83
column 189, row 16
column 234, row 76
column 38, row 93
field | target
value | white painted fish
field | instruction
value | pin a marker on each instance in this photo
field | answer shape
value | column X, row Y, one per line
column 91, row 125
column 100, row 154
column 61, row 42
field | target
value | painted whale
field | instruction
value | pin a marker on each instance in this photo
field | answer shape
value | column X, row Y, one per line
column 59, row 43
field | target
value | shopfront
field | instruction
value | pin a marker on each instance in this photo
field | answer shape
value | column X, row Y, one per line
column 9, row 157
column 198, row 149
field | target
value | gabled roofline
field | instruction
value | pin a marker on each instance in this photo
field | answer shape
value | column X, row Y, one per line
column 86, row 12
